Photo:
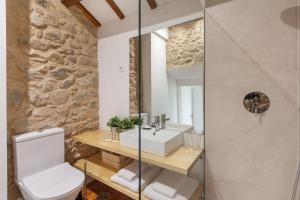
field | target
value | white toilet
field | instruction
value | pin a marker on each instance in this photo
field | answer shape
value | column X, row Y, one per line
column 40, row 170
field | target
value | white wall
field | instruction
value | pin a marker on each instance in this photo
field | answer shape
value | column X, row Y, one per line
column 159, row 82
column 172, row 89
column 3, row 132
column 113, row 52
column 198, row 112
column 163, row 33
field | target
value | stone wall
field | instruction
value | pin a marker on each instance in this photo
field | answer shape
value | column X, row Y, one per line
column 133, row 67
column 52, row 74
column 185, row 45
column 77, row 13
column 17, row 81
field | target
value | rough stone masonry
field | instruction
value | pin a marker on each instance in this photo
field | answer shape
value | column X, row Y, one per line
column 52, row 74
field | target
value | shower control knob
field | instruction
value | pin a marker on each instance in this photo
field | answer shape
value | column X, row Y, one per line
column 256, row 102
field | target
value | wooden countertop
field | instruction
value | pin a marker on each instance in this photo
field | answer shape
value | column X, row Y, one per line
column 181, row 160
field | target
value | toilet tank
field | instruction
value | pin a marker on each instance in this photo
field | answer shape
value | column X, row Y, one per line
column 37, row 151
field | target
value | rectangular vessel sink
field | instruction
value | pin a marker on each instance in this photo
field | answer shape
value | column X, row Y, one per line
column 160, row 143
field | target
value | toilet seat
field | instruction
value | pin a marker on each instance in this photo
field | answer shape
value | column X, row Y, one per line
column 54, row 182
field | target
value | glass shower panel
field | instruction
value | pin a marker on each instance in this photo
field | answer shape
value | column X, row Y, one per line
column 251, row 46
column 171, row 94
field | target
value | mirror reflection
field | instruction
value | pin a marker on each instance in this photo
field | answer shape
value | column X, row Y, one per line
column 172, row 69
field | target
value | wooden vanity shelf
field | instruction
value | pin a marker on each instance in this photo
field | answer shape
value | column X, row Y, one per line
column 180, row 161
column 101, row 172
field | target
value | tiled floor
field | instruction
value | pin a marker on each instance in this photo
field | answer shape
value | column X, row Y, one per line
column 103, row 192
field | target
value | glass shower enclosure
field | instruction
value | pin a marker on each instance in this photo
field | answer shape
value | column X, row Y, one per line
column 171, row 99
column 226, row 69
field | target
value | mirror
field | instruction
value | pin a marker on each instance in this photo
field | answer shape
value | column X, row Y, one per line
column 172, row 69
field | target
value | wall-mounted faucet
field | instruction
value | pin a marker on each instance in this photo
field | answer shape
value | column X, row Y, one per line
column 156, row 123
column 256, row 102
column 164, row 119
column 160, row 122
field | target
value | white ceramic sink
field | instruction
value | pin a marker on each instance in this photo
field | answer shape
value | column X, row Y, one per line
column 160, row 143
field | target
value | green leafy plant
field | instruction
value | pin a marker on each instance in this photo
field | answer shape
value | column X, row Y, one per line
column 136, row 120
column 114, row 122
column 126, row 123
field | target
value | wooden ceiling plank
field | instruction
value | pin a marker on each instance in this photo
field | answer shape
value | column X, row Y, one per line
column 152, row 4
column 116, row 9
column 88, row 14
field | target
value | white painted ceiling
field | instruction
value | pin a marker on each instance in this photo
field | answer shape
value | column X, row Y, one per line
column 104, row 14
column 187, row 72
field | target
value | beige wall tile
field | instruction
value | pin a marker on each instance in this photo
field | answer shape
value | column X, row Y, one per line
column 249, row 48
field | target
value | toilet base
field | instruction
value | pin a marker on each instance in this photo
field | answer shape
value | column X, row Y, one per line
column 69, row 196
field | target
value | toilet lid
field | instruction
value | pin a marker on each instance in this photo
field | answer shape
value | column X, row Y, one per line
column 54, row 182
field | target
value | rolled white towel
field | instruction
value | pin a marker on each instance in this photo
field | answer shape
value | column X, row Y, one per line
column 185, row 192
column 147, row 178
column 130, row 172
column 168, row 183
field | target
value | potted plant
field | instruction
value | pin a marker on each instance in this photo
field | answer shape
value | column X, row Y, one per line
column 136, row 121
column 126, row 124
column 114, row 124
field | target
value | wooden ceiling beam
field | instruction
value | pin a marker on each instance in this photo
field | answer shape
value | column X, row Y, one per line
column 88, row 14
column 69, row 3
column 115, row 8
column 152, row 4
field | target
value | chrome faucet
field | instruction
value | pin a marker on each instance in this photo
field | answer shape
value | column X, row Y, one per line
column 156, row 123
column 163, row 121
